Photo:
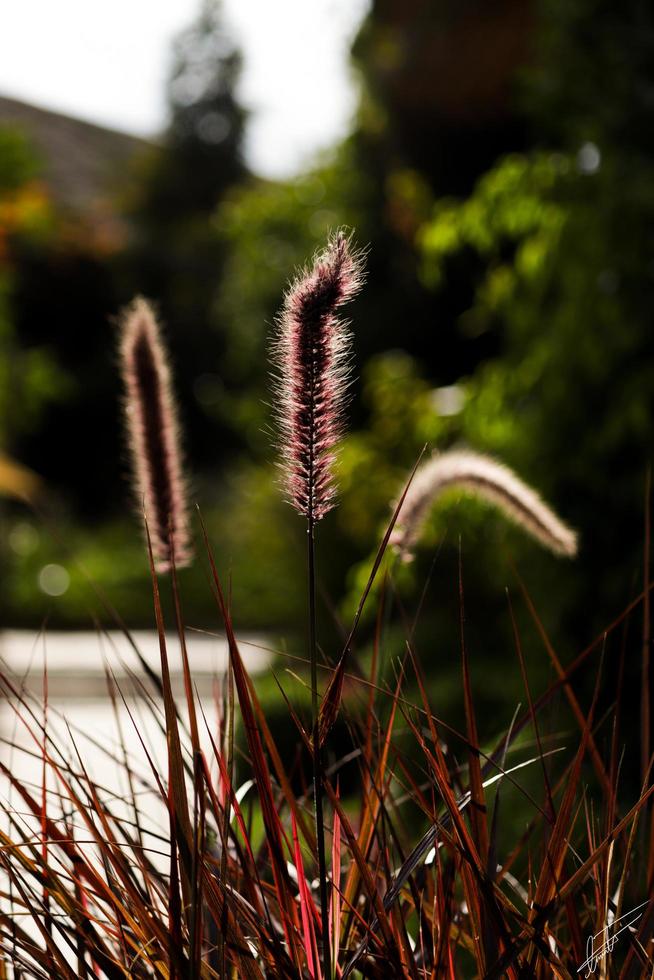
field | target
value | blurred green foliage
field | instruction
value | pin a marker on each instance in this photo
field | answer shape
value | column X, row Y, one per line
column 29, row 380
column 565, row 279
column 531, row 299
column 18, row 163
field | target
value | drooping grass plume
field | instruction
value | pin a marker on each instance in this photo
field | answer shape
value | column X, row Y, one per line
column 153, row 432
column 489, row 480
column 311, row 355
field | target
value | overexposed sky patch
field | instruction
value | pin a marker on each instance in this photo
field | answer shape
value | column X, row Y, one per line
column 108, row 63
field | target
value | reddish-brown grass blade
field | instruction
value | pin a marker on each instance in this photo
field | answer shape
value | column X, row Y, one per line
column 307, row 909
column 569, row 693
column 274, row 830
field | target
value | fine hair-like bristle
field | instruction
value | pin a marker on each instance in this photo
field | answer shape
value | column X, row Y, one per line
column 153, row 432
column 482, row 477
column 311, row 356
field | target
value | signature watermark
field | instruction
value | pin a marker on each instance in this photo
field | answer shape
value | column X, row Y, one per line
column 601, row 944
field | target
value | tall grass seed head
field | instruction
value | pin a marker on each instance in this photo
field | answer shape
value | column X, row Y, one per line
column 487, row 479
column 312, row 359
column 153, row 434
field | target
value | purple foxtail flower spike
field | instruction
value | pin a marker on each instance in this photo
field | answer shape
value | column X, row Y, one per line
column 153, row 431
column 312, row 357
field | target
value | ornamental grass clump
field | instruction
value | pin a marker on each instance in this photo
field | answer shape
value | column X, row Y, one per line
column 154, row 438
column 496, row 844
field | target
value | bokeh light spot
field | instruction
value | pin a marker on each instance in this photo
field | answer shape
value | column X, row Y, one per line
column 54, row 580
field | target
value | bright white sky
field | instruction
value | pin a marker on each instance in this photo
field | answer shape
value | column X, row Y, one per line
column 108, row 63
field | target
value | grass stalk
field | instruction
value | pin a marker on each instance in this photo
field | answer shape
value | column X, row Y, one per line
column 317, row 753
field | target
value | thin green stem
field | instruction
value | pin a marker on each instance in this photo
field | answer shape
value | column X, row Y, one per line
column 317, row 754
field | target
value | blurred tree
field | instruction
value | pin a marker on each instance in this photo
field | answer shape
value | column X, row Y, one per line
column 436, row 107
column 175, row 257
column 439, row 86
column 591, row 75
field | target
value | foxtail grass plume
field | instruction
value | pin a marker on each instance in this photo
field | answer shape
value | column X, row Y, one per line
column 153, row 431
column 311, row 355
column 485, row 478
